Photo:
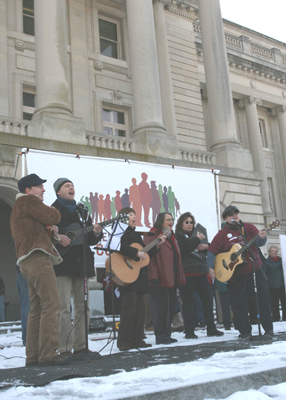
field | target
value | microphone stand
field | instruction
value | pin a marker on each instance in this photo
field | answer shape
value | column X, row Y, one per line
column 254, row 260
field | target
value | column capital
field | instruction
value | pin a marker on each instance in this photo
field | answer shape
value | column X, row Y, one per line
column 277, row 110
column 249, row 100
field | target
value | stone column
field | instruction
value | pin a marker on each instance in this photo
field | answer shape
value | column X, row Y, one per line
column 217, row 74
column 51, row 56
column 53, row 117
column 149, row 130
column 4, row 83
column 167, row 96
column 281, row 112
column 255, row 142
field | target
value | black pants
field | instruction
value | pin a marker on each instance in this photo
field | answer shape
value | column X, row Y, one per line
column 131, row 328
column 242, row 288
column 162, row 303
column 276, row 295
column 225, row 306
column 199, row 284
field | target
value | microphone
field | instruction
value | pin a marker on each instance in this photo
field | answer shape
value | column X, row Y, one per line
column 233, row 221
column 81, row 205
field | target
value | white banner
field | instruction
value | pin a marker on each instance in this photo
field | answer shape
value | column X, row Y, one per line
column 106, row 185
column 282, row 239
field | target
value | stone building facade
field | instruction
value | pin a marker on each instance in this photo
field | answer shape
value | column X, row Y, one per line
column 165, row 81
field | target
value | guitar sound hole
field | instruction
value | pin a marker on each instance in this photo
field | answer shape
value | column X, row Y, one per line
column 70, row 235
column 233, row 257
column 136, row 259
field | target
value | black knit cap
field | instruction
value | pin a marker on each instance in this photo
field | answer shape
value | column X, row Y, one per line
column 229, row 210
column 59, row 183
column 29, row 181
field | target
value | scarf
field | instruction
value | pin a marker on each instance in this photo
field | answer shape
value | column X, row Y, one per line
column 69, row 205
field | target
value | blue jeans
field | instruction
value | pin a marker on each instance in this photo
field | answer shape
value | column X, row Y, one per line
column 2, row 308
column 25, row 303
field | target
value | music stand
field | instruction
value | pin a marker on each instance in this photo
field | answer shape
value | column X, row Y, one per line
column 113, row 245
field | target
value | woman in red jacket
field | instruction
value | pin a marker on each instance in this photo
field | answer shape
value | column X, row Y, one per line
column 166, row 274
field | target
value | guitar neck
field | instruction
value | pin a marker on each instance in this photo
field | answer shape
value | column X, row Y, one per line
column 90, row 228
column 150, row 245
column 249, row 244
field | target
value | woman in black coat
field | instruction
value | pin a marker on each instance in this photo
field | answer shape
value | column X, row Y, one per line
column 132, row 316
column 195, row 268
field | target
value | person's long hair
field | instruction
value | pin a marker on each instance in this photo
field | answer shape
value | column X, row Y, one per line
column 183, row 217
column 160, row 220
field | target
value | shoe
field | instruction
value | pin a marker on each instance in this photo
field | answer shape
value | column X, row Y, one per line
column 214, row 332
column 269, row 332
column 227, row 328
column 56, row 360
column 246, row 335
column 31, row 364
column 173, row 340
column 81, row 351
column 124, row 346
column 201, row 324
column 167, row 341
column 65, row 354
column 141, row 344
column 191, row 336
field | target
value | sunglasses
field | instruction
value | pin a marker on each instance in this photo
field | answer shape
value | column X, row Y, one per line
column 189, row 222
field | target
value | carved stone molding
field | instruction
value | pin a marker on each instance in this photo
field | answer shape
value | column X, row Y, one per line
column 276, row 110
column 167, row 3
column 184, row 10
column 7, row 156
column 249, row 100
column 99, row 66
column 21, row 45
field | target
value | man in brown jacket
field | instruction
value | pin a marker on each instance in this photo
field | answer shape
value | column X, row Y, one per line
column 36, row 256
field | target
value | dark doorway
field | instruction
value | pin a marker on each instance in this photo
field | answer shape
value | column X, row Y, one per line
column 8, row 264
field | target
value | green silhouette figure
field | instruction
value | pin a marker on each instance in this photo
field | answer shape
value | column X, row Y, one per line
column 87, row 203
column 160, row 190
column 113, row 208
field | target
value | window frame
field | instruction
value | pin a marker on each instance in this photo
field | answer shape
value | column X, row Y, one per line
column 27, row 109
column 263, row 133
column 114, row 125
column 118, row 31
column 28, row 16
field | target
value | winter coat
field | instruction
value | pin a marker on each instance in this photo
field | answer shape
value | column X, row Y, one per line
column 28, row 222
column 141, row 284
column 274, row 272
column 162, row 266
column 72, row 264
column 191, row 264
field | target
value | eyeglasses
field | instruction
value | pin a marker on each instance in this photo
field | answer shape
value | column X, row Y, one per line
column 189, row 222
column 169, row 219
column 232, row 214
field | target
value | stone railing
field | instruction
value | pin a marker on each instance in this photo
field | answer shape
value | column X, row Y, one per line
column 201, row 157
column 110, row 142
column 262, row 51
column 15, row 127
column 233, row 41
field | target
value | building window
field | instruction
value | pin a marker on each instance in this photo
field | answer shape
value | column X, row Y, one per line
column 28, row 17
column 109, row 38
column 29, row 104
column 114, row 122
column 263, row 133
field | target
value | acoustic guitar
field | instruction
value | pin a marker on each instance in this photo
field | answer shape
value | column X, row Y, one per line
column 126, row 270
column 226, row 263
column 75, row 232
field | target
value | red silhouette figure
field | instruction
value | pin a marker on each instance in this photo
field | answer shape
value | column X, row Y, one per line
column 135, row 202
column 107, row 207
column 146, row 198
column 101, row 208
column 117, row 199
column 93, row 201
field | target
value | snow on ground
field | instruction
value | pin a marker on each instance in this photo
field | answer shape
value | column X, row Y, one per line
column 155, row 378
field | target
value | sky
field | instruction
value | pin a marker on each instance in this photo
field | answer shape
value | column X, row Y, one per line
column 155, row 378
column 261, row 16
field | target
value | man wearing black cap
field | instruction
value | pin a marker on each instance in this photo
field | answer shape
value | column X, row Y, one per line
column 36, row 256
column 242, row 286
column 70, row 272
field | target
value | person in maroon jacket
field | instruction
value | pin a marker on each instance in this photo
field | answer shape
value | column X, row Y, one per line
column 242, row 286
column 166, row 274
